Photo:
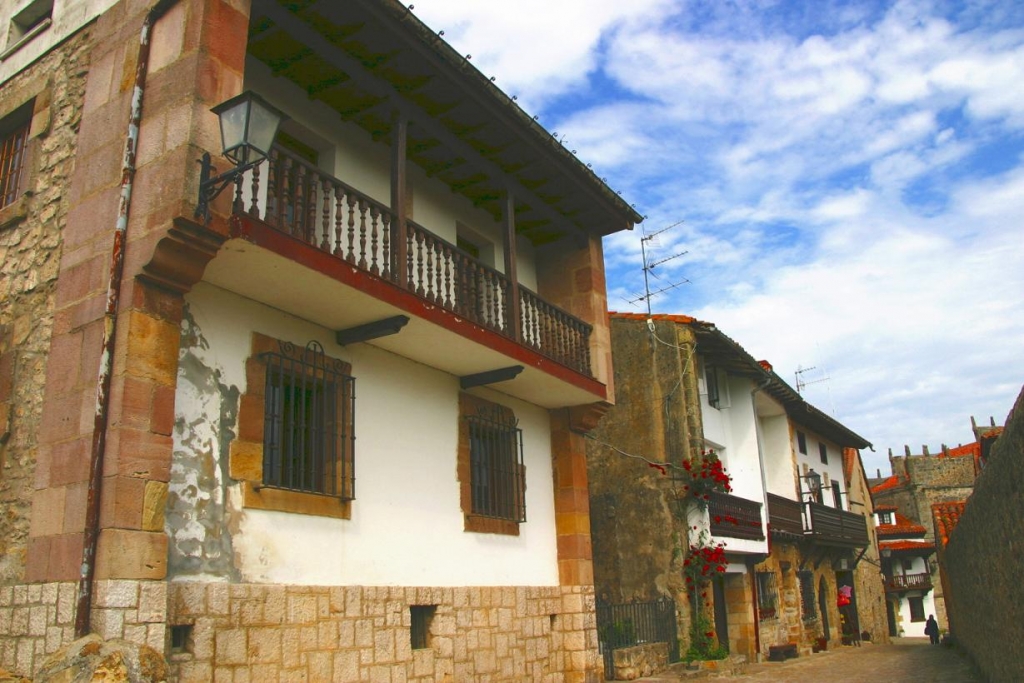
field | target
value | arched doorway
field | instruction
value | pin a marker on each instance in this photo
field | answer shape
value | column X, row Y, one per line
column 823, row 607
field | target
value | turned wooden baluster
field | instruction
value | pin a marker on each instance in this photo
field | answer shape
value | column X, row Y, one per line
column 254, row 209
column 325, row 242
column 386, row 244
column 299, row 203
column 447, row 254
column 285, row 193
column 351, row 256
column 309, row 235
column 273, row 171
column 374, row 215
column 339, row 220
column 419, row 263
column 429, row 257
column 362, row 234
column 408, row 256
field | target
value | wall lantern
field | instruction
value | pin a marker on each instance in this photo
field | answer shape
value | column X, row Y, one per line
column 813, row 482
column 248, row 126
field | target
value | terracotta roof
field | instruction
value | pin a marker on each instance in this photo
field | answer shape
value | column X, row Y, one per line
column 890, row 483
column 766, row 365
column 946, row 516
column 961, row 451
column 901, row 527
column 907, row 545
column 886, row 508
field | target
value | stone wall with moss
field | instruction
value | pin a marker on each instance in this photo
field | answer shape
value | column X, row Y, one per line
column 51, row 92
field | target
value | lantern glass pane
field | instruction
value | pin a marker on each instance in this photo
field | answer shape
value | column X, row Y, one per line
column 233, row 124
column 263, row 123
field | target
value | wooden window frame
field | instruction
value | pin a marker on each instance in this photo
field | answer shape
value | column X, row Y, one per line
column 246, row 457
column 471, row 406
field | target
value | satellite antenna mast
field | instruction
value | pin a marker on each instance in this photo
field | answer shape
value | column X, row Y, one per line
column 649, row 267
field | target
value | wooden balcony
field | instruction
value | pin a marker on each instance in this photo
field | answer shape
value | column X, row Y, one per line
column 298, row 200
column 735, row 517
column 822, row 524
column 908, row 582
column 830, row 526
column 785, row 516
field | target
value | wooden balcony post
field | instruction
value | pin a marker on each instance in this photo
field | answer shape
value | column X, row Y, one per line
column 512, row 309
column 399, row 243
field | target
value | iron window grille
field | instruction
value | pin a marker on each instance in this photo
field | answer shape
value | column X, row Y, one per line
column 13, row 145
column 767, row 596
column 807, row 604
column 497, row 475
column 308, row 428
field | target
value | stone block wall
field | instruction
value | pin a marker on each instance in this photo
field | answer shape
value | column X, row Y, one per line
column 362, row 633
column 982, row 561
column 31, row 244
column 37, row 619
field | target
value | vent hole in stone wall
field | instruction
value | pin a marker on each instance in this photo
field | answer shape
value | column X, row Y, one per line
column 421, row 617
column 181, row 638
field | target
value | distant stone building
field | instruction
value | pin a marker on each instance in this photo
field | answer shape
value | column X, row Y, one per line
column 796, row 527
column 919, row 482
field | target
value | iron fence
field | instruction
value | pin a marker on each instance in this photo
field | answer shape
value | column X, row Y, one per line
column 636, row 623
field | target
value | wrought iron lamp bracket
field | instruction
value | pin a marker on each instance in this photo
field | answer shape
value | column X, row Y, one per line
column 210, row 186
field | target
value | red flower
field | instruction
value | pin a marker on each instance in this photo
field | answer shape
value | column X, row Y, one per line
column 710, row 634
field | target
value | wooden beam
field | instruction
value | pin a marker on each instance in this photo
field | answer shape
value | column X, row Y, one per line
column 378, row 87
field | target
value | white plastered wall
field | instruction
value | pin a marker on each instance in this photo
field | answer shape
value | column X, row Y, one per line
column 407, row 524
column 732, row 426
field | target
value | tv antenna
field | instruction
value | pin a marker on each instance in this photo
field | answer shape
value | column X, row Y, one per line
column 801, row 382
column 649, row 267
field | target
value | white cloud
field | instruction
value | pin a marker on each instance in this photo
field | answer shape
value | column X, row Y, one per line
column 847, row 204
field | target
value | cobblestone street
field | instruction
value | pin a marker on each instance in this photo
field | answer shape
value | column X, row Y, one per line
column 907, row 659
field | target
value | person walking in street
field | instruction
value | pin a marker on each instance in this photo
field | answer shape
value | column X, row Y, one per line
column 931, row 629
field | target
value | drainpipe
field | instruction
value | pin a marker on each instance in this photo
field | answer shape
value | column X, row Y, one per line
column 83, row 610
column 764, row 501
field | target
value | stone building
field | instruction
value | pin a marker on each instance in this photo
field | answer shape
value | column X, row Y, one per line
column 331, row 425
column 683, row 389
column 918, row 482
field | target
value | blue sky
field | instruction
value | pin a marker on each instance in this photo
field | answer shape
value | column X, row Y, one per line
column 850, row 176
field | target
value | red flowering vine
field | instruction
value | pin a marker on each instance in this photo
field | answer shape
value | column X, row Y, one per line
column 705, row 475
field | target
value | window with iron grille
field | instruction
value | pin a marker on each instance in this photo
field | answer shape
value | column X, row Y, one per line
column 14, row 131
column 807, row 604
column 308, row 422
column 492, row 476
column 767, row 596
column 496, row 461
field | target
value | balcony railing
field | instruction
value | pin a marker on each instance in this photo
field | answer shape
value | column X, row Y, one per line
column 908, row 582
column 820, row 523
column 735, row 517
column 785, row 515
column 831, row 526
column 295, row 197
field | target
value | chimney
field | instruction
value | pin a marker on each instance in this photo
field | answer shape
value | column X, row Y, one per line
column 906, row 449
column 878, row 470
